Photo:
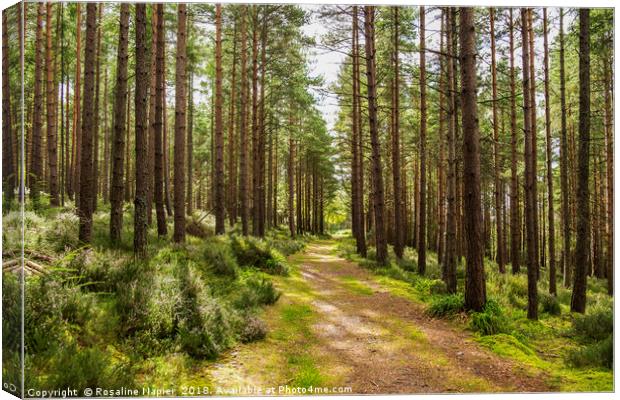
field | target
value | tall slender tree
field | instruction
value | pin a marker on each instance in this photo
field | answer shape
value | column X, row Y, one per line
column 578, row 299
column 243, row 134
column 141, row 132
column 358, row 178
column 8, row 170
column 399, row 217
column 118, row 136
column 219, row 130
column 36, row 173
column 52, row 93
column 85, row 209
column 180, row 125
column 377, row 177
column 530, row 179
column 550, row 199
column 515, row 226
column 496, row 155
column 475, row 286
column 162, row 228
column 421, row 245
column 566, row 218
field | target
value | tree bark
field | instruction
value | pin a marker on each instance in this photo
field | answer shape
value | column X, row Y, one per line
column 88, row 119
column 141, row 132
column 515, row 230
column 232, row 165
column 162, row 228
column 180, row 126
column 422, row 205
column 152, row 114
column 243, row 158
column 77, row 125
column 95, row 171
column 498, row 163
column 378, row 198
column 120, row 113
column 36, row 173
column 530, row 180
column 219, row 132
column 450, row 253
column 609, row 148
column 8, row 170
column 190, row 142
column 399, row 217
column 358, row 173
column 550, row 200
column 566, row 218
column 475, row 287
column 578, row 299
column 52, row 92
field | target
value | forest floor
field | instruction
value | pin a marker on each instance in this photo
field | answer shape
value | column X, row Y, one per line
column 340, row 327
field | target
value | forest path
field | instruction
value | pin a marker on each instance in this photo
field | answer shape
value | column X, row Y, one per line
column 337, row 326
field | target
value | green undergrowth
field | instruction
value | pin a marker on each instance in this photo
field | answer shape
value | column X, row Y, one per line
column 574, row 351
column 100, row 318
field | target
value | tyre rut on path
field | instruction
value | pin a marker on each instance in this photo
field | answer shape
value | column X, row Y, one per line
column 382, row 343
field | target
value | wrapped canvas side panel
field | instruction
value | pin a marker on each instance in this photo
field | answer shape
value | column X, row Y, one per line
column 12, row 202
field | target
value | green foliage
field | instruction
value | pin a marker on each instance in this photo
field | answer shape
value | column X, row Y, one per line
column 256, row 291
column 220, row 259
column 253, row 329
column 80, row 368
column 597, row 354
column 549, row 304
column 147, row 301
column 253, row 252
column 596, row 325
column 491, row 320
column 206, row 324
column 446, row 305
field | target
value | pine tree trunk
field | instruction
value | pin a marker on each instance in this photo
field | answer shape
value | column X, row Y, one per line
column 422, row 205
column 578, row 299
column 399, row 217
column 377, row 177
column 127, row 186
column 36, row 172
column 609, row 149
column 496, row 155
column 141, row 128
column 475, row 287
column 255, row 127
column 162, row 229
column 232, row 166
column 118, row 139
column 8, row 172
column 85, row 211
column 450, row 253
column 52, row 92
column 534, row 159
column 530, row 180
column 243, row 145
column 96, row 122
column 566, row 232
column 106, row 142
column 291, row 177
column 357, row 172
column 77, row 102
column 190, row 142
column 261, row 132
column 219, row 132
column 515, row 230
column 180, row 126
column 550, row 200
column 152, row 114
